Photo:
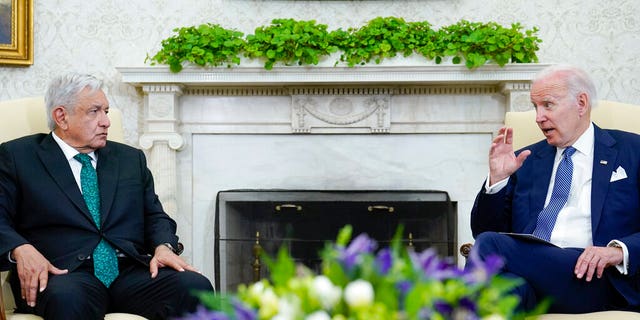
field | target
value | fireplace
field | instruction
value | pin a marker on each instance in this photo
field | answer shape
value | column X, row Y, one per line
column 305, row 220
column 381, row 128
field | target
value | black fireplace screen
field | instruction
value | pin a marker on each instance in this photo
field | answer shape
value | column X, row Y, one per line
column 304, row 220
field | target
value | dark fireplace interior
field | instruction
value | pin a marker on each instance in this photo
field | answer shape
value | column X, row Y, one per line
column 304, row 220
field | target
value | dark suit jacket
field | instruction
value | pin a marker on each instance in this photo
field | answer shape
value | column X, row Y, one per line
column 41, row 203
column 615, row 206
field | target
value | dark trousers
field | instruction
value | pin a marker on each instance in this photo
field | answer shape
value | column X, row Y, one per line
column 548, row 272
column 80, row 295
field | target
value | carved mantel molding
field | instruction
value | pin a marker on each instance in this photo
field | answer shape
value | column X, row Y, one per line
column 321, row 97
column 365, row 75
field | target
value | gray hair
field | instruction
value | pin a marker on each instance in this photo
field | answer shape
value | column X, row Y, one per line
column 577, row 80
column 63, row 91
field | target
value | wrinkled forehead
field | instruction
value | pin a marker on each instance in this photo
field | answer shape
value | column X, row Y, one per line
column 92, row 97
column 549, row 87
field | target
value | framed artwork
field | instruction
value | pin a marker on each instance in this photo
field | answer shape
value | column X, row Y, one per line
column 16, row 32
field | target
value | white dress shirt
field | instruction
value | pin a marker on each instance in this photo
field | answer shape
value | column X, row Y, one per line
column 69, row 154
column 573, row 225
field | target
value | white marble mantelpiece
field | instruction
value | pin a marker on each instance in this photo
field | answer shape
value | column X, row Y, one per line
column 371, row 127
column 371, row 75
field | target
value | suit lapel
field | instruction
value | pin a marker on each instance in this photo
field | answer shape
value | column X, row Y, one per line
column 604, row 158
column 107, row 169
column 54, row 161
column 542, row 168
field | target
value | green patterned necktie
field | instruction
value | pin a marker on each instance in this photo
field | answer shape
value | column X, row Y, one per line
column 105, row 261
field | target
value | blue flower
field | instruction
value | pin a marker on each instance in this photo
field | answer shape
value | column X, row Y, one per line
column 203, row 313
column 362, row 244
column 478, row 270
column 384, row 260
column 434, row 267
column 359, row 283
column 242, row 312
column 443, row 308
column 404, row 286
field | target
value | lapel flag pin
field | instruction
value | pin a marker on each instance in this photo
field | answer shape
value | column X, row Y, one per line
column 603, row 162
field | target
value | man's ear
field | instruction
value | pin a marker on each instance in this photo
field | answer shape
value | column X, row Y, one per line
column 59, row 114
column 583, row 103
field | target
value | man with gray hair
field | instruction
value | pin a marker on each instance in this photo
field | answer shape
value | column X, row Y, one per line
column 82, row 229
column 564, row 213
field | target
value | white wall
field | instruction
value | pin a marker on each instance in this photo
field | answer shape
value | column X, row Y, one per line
column 97, row 36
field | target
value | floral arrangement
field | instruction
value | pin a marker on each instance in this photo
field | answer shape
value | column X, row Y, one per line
column 360, row 282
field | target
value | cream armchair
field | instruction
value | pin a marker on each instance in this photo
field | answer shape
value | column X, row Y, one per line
column 26, row 116
column 607, row 115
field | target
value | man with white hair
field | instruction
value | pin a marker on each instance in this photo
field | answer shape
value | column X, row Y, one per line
column 578, row 190
column 82, row 229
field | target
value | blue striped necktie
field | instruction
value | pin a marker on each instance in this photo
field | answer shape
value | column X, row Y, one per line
column 105, row 260
column 559, row 195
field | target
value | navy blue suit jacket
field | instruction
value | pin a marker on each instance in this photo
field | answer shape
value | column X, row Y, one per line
column 41, row 203
column 615, row 206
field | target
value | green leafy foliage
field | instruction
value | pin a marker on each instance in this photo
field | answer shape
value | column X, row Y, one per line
column 292, row 42
column 478, row 43
column 360, row 281
column 383, row 38
column 207, row 44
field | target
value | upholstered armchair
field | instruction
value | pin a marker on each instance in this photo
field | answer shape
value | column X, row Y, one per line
column 609, row 115
column 26, row 116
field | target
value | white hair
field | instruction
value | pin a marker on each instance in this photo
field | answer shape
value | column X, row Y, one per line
column 63, row 91
column 577, row 80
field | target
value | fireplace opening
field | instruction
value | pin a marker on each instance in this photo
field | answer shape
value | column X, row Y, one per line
column 305, row 220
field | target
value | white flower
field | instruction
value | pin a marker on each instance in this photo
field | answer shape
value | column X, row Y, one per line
column 256, row 289
column 269, row 303
column 288, row 308
column 318, row 315
column 494, row 317
column 326, row 292
column 358, row 294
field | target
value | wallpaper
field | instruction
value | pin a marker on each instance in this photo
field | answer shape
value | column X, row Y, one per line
column 98, row 36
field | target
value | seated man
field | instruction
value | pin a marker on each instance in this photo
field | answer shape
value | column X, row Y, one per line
column 578, row 189
column 82, row 229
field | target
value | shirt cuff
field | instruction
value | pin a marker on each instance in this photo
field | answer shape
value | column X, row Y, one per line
column 624, row 266
column 9, row 257
column 496, row 187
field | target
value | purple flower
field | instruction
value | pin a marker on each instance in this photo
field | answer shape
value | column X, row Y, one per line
column 404, row 286
column 443, row 308
column 493, row 264
column 384, row 260
column 468, row 304
column 360, row 245
column 480, row 271
column 242, row 312
column 203, row 313
column 434, row 267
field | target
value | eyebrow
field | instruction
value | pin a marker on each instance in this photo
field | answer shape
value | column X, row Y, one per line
column 100, row 105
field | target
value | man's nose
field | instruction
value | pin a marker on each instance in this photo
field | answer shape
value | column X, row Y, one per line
column 541, row 116
column 105, row 121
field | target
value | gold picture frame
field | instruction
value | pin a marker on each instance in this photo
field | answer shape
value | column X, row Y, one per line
column 16, row 32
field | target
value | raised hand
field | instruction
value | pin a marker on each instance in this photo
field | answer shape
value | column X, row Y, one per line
column 502, row 160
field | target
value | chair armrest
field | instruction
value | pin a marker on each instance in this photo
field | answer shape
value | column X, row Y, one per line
column 2, row 311
column 465, row 249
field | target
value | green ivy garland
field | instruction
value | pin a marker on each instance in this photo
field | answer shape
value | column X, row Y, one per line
column 293, row 42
